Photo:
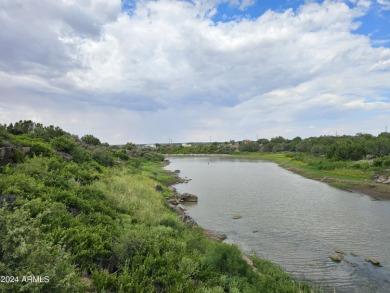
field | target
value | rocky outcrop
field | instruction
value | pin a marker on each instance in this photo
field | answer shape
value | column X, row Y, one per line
column 7, row 155
column 216, row 236
column 187, row 219
column 188, row 197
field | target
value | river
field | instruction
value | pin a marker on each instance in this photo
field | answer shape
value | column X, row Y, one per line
column 292, row 221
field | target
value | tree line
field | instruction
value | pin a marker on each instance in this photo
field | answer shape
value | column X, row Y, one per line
column 343, row 148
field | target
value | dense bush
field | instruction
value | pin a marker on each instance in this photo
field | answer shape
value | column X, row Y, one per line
column 382, row 162
column 90, row 139
column 103, row 156
column 63, row 144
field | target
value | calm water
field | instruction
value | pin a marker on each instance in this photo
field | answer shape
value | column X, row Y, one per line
column 292, row 221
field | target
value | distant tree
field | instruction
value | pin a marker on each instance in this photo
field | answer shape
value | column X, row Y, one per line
column 131, row 146
column 346, row 150
column 248, row 146
column 90, row 139
column 318, row 149
column 278, row 139
column 304, row 146
column 21, row 127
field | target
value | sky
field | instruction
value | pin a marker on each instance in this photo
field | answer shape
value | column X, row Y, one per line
column 194, row 71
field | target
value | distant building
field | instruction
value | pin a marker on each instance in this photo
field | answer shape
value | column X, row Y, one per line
column 186, row 145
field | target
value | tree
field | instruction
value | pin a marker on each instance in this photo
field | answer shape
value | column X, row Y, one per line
column 90, row 139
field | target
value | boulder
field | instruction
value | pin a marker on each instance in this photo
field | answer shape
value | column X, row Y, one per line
column 7, row 199
column 176, row 171
column 178, row 209
column 374, row 261
column 337, row 256
column 25, row 150
column 382, row 179
column 65, row 156
column 174, row 201
column 188, row 197
column 387, row 181
column 216, row 236
column 7, row 155
column 187, row 219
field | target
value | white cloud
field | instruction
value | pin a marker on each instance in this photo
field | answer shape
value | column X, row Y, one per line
column 167, row 71
column 385, row 4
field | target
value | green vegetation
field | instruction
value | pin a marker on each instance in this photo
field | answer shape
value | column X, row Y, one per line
column 86, row 217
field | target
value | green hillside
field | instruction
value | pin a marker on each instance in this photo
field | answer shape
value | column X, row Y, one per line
column 78, row 215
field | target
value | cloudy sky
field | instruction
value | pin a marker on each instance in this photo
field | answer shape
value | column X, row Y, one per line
column 150, row 71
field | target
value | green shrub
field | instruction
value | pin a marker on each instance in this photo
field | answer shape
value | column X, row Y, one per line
column 26, row 252
column 103, row 156
column 80, row 155
column 63, row 144
column 382, row 162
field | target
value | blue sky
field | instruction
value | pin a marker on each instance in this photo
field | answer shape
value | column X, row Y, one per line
column 149, row 71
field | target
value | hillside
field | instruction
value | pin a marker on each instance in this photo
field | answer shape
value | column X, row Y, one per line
column 78, row 215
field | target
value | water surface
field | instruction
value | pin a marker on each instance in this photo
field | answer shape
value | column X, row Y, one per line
column 292, row 221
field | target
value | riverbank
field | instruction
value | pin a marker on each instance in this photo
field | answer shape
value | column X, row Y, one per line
column 265, row 276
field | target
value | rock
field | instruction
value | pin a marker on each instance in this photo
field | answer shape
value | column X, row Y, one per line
column 65, row 156
column 7, row 199
column 25, row 150
column 188, row 197
column 176, row 171
column 7, row 155
column 249, row 262
column 387, row 181
column 159, row 188
column 236, row 217
column 354, row 253
column 174, row 202
column 187, row 219
column 337, row 256
column 382, row 179
column 374, row 261
column 216, row 236
column 375, row 177
column 178, row 209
